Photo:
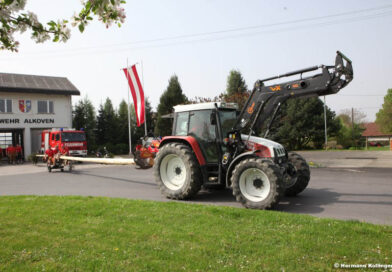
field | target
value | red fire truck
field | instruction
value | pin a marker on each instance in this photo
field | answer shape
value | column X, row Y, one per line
column 74, row 140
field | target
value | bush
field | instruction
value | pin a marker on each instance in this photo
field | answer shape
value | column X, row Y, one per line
column 114, row 149
column 121, row 149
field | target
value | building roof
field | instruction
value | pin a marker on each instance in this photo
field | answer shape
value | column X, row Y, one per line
column 372, row 130
column 19, row 83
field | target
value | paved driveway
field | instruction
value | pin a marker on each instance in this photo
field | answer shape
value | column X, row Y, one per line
column 363, row 194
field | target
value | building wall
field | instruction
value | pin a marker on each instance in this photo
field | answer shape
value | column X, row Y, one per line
column 32, row 121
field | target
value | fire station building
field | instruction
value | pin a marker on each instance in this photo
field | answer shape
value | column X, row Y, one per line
column 30, row 104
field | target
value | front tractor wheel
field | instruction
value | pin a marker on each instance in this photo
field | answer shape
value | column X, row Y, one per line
column 257, row 184
column 299, row 180
column 177, row 171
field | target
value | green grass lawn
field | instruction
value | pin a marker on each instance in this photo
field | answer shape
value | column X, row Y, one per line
column 378, row 148
column 88, row 234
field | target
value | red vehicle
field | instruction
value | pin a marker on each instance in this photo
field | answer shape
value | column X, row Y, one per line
column 73, row 140
column 145, row 151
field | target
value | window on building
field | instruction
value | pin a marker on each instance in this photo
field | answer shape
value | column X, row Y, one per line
column 5, row 105
column 5, row 139
column 45, row 106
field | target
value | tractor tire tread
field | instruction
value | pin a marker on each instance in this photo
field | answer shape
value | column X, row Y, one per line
column 304, row 174
column 192, row 186
column 271, row 170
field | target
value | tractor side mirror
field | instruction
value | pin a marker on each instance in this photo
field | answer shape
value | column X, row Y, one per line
column 213, row 118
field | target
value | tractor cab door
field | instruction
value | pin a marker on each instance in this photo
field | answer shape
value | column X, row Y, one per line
column 200, row 127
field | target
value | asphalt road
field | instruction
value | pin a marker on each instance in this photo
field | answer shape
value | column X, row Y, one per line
column 363, row 194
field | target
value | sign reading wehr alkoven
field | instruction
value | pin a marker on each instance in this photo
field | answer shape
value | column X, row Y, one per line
column 27, row 121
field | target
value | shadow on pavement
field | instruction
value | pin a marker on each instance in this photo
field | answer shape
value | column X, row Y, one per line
column 113, row 178
column 214, row 196
column 310, row 201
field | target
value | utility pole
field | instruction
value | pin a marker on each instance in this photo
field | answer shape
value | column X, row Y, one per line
column 325, row 124
column 352, row 124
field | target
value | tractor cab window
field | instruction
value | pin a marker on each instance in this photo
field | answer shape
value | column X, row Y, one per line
column 199, row 125
column 200, row 128
column 228, row 119
column 181, row 126
column 57, row 137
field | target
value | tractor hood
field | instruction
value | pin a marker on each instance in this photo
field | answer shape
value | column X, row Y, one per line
column 272, row 146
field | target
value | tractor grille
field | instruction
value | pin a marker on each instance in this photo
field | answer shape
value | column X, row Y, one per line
column 280, row 152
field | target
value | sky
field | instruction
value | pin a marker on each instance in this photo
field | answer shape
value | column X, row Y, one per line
column 201, row 41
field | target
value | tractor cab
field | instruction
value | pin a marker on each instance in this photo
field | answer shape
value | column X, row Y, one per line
column 210, row 125
column 200, row 122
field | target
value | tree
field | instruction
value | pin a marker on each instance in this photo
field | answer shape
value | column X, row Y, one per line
column 14, row 19
column 139, row 132
column 384, row 115
column 349, row 135
column 172, row 96
column 236, row 89
column 235, row 83
column 136, row 132
column 301, row 122
column 122, row 123
column 107, row 128
column 347, row 115
column 84, row 118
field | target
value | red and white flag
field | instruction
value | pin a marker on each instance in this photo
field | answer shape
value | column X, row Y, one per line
column 137, row 93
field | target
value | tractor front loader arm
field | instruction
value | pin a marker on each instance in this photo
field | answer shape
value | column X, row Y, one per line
column 265, row 101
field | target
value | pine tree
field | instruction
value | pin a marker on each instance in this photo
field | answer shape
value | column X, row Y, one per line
column 136, row 132
column 84, row 118
column 107, row 129
column 172, row 96
column 301, row 122
column 236, row 89
column 235, row 83
column 122, row 123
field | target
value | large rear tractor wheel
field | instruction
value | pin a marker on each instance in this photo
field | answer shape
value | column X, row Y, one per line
column 177, row 171
column 300, row 179
column 257, row 183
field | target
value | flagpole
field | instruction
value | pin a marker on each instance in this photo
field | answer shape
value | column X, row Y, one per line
column 145, row 120
column 129, row 119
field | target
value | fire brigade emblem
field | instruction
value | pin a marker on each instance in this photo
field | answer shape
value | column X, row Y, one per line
column 24, row 105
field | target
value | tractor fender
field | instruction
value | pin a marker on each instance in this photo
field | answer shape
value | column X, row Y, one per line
column 234, row 163
column 188, row 140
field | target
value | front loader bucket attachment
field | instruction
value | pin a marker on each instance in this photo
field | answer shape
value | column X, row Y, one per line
column 341, row 75
column 265, row 98
column 344, row 70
